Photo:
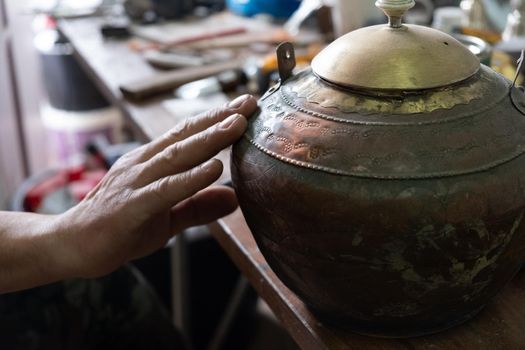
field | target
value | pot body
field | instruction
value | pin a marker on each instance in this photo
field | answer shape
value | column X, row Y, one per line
column 391, row 216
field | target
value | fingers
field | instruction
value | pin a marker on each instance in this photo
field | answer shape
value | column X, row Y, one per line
column 245, row 105
column 165, row 193
column 192, row 151
column 202, row 208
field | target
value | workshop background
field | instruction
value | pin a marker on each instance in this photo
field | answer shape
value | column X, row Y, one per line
column 59, row 133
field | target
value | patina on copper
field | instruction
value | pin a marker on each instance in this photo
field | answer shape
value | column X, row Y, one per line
column 391, row 212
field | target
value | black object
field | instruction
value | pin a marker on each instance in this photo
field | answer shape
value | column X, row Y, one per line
column 119, row 311
column 116, row 31
column 170, row 9
column 66, row 84
column 212, row 280
column 105, row 153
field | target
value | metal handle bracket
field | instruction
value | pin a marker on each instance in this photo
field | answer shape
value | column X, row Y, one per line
column 517, row 93
column 285, row 65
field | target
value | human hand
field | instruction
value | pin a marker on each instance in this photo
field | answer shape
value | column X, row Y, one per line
column 154, row 192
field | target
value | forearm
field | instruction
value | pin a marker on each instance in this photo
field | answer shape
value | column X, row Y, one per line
column 32, row 251
column 147, row 196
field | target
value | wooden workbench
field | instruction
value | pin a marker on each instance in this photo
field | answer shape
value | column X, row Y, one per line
column 500, row 326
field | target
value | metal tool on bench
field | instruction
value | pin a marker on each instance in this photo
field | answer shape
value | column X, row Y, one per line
column 168, row 81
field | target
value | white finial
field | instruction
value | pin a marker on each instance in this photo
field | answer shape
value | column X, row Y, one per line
column 395, row 9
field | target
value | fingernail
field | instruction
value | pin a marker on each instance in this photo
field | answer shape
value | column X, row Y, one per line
column 238, row 102
column 209, row 165
column 226, row 123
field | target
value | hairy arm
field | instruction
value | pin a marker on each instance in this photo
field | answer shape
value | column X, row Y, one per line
column 149, row 195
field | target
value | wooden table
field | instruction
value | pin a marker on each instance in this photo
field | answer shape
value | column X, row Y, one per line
column 500, row 326
column 111, row 63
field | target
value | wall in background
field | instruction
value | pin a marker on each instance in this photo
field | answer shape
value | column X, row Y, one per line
column 23, row 148
column 31, row 92
column 12, row 170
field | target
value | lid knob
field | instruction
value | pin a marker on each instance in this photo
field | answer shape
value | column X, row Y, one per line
column 395, row 9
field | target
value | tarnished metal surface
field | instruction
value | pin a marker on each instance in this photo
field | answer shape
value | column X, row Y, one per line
column 345, row 205
column 408, row 58
column 517, row 93
column 517, row 96
column 286, row 63
column 462, row 140
column 395, row 213
column 285, row 60
column 441, row 248
column 313, row 90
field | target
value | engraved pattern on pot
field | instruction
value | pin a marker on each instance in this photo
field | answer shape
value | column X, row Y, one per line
column 468, row 143
column 314, row 91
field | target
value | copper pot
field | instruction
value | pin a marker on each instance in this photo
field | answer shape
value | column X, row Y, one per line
column 385, row 185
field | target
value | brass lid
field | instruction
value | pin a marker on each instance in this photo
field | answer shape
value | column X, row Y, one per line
column 395, row 56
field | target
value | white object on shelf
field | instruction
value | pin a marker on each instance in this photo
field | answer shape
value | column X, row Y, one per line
column 69, row 132
column 348, row 15
column 448, row 18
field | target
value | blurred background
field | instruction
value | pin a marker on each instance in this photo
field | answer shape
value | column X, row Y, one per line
column 74, row 74
column 44, row 88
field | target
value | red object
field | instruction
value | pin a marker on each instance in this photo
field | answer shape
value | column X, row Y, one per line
column 79, row 189
column 78, row 179
column 192, row 39
column 51, row 22
column 36, row 194
column 75, row 173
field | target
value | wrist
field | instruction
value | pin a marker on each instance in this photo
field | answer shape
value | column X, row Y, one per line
column 83, row 248
column 60, row 246
column 33, row 251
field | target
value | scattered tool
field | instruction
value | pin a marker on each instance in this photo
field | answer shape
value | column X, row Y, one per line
column 224, row 82
column 140, row 46
column 242, row 40
column 170, row 60
column 168, row 81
